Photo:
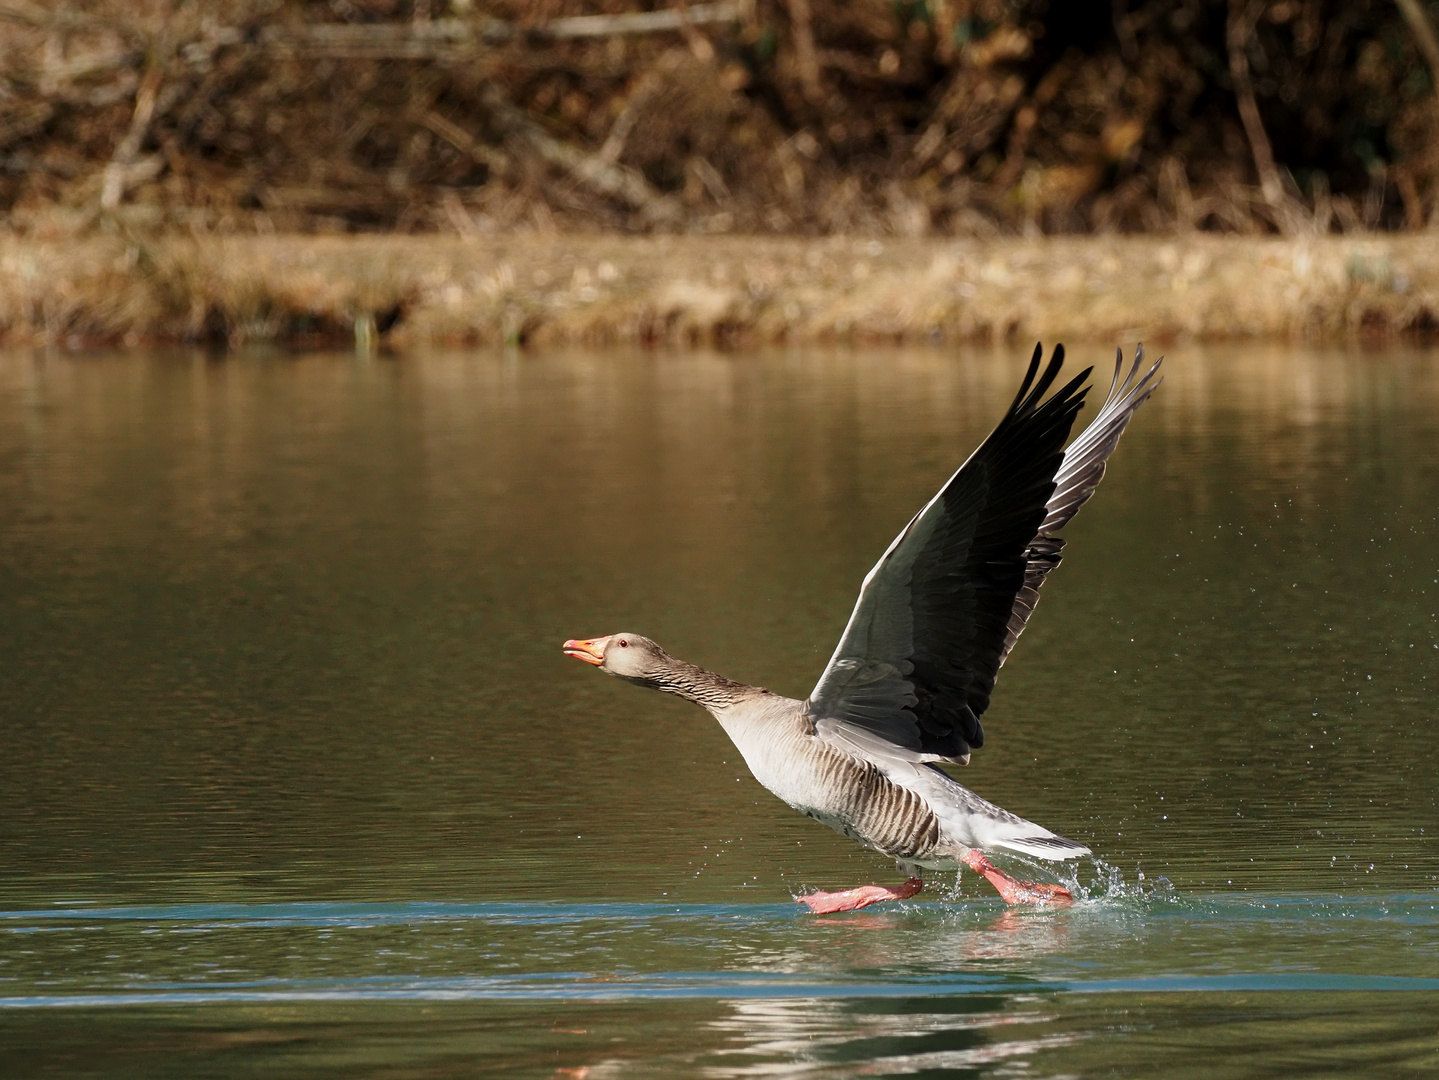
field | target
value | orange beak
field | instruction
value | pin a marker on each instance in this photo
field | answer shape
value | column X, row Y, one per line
column 591, row 650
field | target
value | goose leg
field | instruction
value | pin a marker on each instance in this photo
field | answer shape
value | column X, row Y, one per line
column 1016, row 892
column 825, row 903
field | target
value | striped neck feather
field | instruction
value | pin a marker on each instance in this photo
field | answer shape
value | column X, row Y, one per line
column 694, row 683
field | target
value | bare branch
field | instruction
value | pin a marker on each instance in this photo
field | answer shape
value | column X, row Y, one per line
column 465, row 143
column 803, row 25
column 437, row 37
column 1243, row 14
column 1424, row 37
column 590, row 169
column 639, row 22
column 117, row 173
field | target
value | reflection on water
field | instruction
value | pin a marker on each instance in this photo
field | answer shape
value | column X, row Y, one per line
column 297, row 782
column 724, row 990
column 801, row 1038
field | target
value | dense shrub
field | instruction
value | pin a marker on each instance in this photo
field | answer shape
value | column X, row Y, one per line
column 813, row 116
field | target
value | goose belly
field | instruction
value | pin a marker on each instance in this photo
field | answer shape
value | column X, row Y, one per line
column 852, row 797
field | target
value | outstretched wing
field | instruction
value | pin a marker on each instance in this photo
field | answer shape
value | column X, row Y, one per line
column 1081, row 472
column 916, row 664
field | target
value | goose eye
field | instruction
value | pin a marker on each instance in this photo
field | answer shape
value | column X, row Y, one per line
column 624, row 644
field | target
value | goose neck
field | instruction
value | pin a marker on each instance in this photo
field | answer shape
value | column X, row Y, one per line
column 704, row 688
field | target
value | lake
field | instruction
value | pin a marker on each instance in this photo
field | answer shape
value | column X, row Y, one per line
column 296, row 781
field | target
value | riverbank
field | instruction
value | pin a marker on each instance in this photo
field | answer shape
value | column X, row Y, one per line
column 544, row 289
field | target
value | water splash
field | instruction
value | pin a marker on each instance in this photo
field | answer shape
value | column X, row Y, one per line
column 1091, row 881
column 1106, row 884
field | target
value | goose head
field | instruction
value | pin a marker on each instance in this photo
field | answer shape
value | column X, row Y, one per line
column 629, row 656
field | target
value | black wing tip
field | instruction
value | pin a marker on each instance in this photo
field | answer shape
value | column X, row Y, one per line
column 1030, row 398
column 1028, row 391
column 1121, row 383
column 1034, row 361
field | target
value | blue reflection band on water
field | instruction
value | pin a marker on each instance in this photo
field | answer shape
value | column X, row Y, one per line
column 324, row 914
column 530, row 988
column 1346, row 914
column 1415, row 907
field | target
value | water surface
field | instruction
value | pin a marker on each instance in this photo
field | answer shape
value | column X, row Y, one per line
column 296, row 781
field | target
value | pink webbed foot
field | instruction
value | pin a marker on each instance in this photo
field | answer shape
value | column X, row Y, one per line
column 1016, row 892
column 825, row 903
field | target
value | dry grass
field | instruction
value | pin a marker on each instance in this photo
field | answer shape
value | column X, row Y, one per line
column 545, row 289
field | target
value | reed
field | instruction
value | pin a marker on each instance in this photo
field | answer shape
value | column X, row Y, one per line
column 538, row 290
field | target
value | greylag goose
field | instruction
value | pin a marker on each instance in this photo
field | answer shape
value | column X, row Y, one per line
column 914, row 670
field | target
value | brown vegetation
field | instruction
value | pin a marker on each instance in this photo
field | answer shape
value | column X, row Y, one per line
column 158, row 156
column 541, row 290
column 856, row 117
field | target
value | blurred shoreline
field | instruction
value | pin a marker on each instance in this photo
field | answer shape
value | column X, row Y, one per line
column 537, row 289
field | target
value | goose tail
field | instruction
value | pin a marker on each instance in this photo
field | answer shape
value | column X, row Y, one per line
column 978, row 823
column 1037, row 841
